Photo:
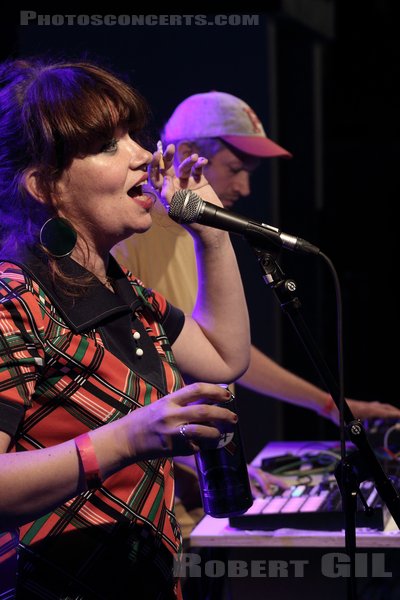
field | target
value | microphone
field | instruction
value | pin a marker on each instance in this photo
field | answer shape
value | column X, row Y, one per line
column 188, row 207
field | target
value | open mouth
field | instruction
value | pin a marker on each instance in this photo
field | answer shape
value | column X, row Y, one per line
column 135, row 190
column 142, row 192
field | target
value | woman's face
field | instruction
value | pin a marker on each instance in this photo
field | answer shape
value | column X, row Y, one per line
column 101, row 193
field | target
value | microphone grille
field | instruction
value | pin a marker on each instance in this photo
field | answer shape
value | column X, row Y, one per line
column 184, row 207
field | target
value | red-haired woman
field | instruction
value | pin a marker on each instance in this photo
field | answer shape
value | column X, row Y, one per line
column 92, row 400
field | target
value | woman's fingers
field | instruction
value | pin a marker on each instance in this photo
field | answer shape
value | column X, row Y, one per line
column 153, row 171
column 192, row 166
column 195, row 436
column 184, row 170
column 169, row 154
column 197, row 169
column 200, row 391
column 161, row 164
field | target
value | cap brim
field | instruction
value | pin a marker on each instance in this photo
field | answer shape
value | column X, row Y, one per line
column 256, row 146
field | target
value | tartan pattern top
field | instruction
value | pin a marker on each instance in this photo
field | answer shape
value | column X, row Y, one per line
column 68, row 365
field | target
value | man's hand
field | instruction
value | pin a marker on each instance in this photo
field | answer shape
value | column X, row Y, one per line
column 367, row 410
column 264, row 484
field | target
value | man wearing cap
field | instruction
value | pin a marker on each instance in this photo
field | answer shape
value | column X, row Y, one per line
column 226, row 131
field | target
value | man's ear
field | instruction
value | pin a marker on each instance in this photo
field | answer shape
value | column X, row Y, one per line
column 30, row 182
column 184, row 149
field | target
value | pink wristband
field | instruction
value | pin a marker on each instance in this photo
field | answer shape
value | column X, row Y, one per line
column 328, row 408
column 88, row 460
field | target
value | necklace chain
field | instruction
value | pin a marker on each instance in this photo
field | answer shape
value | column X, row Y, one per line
column 108, row 282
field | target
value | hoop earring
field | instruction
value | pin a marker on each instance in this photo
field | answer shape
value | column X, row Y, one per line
column 58, row 237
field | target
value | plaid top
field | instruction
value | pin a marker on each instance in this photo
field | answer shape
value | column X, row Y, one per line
column 68, row 365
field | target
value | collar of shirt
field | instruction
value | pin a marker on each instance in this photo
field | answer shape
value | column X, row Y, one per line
column 97, row 305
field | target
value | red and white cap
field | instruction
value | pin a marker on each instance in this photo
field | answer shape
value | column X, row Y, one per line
column 221, row 115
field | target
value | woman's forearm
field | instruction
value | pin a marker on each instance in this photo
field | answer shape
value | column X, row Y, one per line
column 220, row 313
column 33, row 483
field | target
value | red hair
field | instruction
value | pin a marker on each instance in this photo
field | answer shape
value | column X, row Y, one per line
column 51, row 113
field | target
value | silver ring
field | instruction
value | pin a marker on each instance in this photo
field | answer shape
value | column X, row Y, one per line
column 182, row 430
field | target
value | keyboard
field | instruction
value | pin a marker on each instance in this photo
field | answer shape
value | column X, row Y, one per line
column 312, row 507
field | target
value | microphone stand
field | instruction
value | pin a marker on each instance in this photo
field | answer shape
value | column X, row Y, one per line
column 360, row 465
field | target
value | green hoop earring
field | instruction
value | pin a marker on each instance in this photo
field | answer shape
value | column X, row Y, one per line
column 58, row 237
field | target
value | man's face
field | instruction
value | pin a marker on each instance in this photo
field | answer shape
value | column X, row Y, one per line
column 228, row 172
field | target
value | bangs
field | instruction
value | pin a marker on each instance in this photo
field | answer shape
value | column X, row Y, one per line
column 80, row 107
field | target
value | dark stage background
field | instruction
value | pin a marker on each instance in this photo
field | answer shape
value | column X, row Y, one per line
column 324, row 81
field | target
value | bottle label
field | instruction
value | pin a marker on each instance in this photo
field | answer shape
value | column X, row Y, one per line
column 225, row 439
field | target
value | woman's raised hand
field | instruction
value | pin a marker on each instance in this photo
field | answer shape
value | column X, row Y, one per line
column 166, row 179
